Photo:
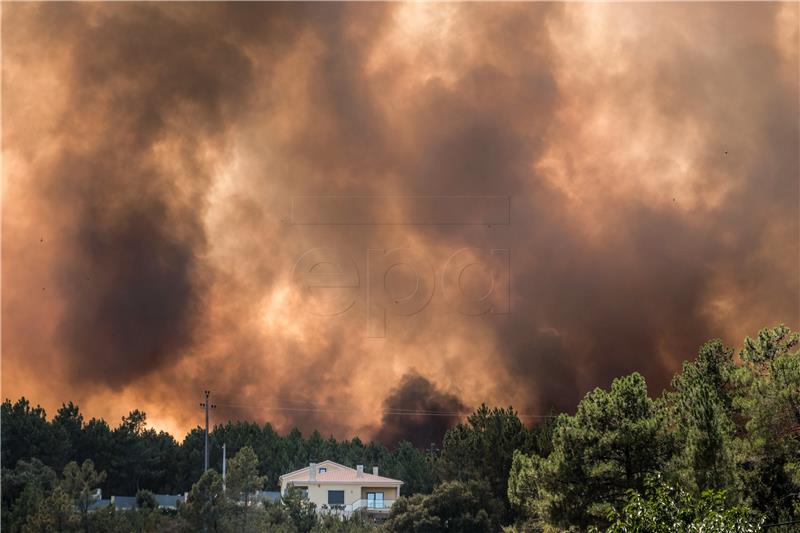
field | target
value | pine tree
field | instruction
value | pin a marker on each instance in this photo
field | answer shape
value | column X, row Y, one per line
column 770, row 402
column 243, row 480
column 615, row 440
column 701, row 409
column 79, row 483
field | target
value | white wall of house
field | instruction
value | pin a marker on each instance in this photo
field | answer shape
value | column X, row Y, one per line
column 367, row 492
column 319, row 493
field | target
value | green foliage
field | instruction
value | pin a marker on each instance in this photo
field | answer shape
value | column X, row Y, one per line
column 144, row 519
column 769, row 401
column 79, row 483
column 136, row 457
column 335, row 524
column 522, row 491
column 413, row 467
column 55, row 514
column 109, row 520
column 206, row 507
column 26, row 434
column 540, row 437
column 301, row 511
column 146, row 500
column 662, row 508
column 701, row 410
column 25, row 506
column 483, row 448
column 615, row 440
column 243, row 481
column 724, row 440
column 242, row 478
column 142, row 457
column 453, row 506
column 24, row 488
column 273, row 517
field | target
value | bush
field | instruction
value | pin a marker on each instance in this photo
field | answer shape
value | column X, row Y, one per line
column 667, row 509
column 460, row 506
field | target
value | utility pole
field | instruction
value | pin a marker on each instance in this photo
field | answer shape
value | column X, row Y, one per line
column 224, row 465
column 207, row 405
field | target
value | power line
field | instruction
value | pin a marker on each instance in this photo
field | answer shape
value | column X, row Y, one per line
column 284, row 399
column 390, row 411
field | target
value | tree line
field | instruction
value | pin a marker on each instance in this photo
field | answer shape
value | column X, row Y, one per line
column 719, row 452
column 136, row 457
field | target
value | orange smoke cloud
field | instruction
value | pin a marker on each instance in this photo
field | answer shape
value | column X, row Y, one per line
column 152, row 153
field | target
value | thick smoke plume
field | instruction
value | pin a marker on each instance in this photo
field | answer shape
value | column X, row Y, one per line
column 416, row 411
column 153, row 155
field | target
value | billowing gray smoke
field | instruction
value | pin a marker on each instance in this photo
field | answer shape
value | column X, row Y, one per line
column 153, row 153
column 416, row 411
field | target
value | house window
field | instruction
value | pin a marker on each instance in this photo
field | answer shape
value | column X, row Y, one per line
column 322, row 470
column 374, row 500
column 335, row 497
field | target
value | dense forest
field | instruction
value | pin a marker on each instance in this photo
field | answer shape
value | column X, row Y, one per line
column 717, row 452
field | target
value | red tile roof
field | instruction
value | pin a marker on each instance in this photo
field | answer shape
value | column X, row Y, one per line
column 342, row 474
column 351, row 475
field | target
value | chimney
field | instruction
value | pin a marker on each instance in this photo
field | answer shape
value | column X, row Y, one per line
column 312, row 471
column 374, row 470
column 359, row 471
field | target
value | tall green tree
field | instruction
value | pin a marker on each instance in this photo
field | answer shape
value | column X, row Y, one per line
column 80, row 483
column 615, row 440
column 55, row 514
column 189, row 464
column 27, row 434
column 206, row 507
column 414, row 467
column 483, row 448
column 770, row 403
column 702, row 413
column 24, row 488
column 243, row 481
column 130, row 459
column 97, row 444
column 68, row 422
column 301, row 511
column 523, row 491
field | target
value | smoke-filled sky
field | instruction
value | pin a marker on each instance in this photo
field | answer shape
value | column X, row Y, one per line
column 302, row 206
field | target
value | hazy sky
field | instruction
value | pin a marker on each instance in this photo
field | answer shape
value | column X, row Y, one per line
column 633, row 167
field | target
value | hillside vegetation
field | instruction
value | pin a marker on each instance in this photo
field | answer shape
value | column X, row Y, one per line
column 718, row 452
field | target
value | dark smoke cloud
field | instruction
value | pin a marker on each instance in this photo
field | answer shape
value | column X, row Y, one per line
column 417, row 394
column 133, row 286
column 152, row 151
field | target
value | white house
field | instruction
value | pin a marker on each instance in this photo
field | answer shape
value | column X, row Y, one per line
column 338, row 488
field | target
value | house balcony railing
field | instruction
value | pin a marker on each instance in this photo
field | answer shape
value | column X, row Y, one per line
column 369, row 506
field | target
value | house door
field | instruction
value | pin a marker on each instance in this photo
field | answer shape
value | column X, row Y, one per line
column 374, row 500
